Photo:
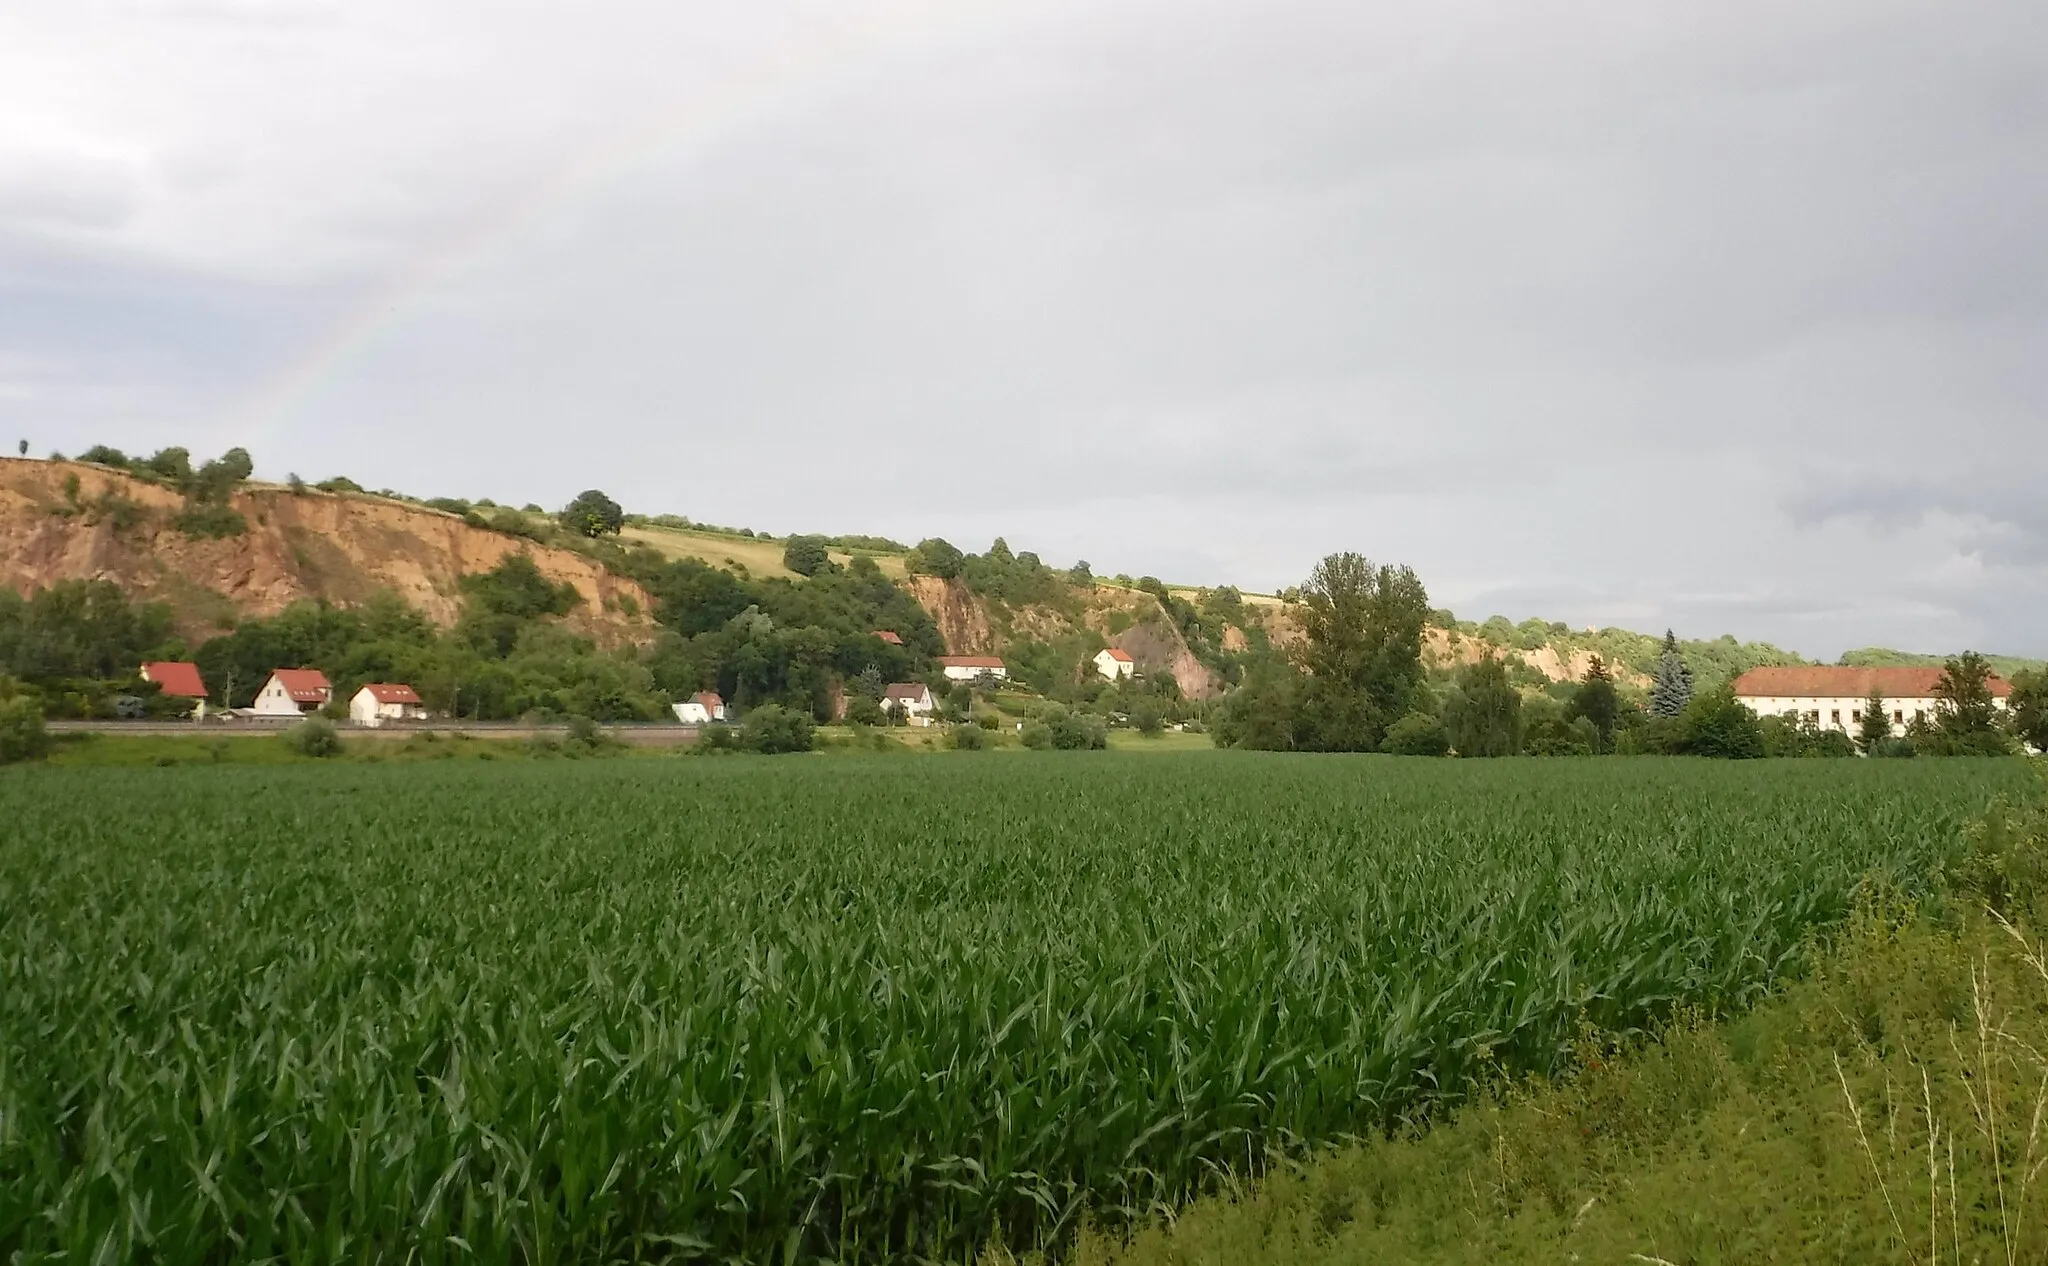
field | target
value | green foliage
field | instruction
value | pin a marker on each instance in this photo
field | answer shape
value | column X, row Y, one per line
column 863, row 709
column 2028, row 708
column 1036, row 735
column 1673, row 689
column 935, row 556
column 1597, row 701
column 1070, row 730
column 1717, row 724
column 340, row 483
column 806, row 555
column 1801, row 1132
column 1148, row 714
column 1361, row 650
column 81, row 629
column 1874, row 727
column 23, row 736
column 1261, row 713
column 887, row 1010
column 593, row 514
column 315, row 737
column 1793, row 735
column 966, row 738
column 1484, row 715
column 1967, row 722
column 1417, row 734
column 203, row 521
column 773, row 730
column 1549, row 729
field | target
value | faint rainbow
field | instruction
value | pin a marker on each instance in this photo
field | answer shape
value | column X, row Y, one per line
column 385, row 307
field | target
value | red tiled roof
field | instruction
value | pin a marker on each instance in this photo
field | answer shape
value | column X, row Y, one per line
column 1121, row 657
column 889, row 636
column 176, row 679
column 1824, row 682
column 970, row 661
column 389, row 692
column 711, row 702
column 304, row 685
column 907, row 690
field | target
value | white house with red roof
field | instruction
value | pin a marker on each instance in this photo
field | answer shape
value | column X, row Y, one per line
column 293, row 692
column 384, row 701
column 971, row 667
column 1833, row 698
column 912, row 698
column 1114, row 664
column 701, row 708
column 177, row 679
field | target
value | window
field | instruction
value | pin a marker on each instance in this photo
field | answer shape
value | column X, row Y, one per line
column 1899, row 717
column 1835, row 718
column 1919, row 714
column 1813, row 715
column 1857, row 716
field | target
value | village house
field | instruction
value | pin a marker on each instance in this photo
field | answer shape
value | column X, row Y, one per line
column 701, row 708
column 889, row 636
column 176, row 679
column 379, row 702
column 293, row 692
column 913, row 699
column 1113, row 664
column 1832, row 698
column 971, row 667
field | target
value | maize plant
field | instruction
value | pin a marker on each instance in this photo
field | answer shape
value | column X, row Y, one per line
column 841, row 1009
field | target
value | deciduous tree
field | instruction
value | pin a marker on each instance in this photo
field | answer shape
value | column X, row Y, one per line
column 1362, row 651
column 593, row 514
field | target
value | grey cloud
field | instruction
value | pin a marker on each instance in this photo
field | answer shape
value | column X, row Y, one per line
column 1726, row 318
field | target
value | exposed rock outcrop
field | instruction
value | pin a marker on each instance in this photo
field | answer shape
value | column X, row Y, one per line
column 74, row 521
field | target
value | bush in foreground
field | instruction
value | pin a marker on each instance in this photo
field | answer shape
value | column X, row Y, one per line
column 314, row 737
column 23, row 736
column 772, row 730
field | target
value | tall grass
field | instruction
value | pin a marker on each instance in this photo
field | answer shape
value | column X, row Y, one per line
column 848, row 1010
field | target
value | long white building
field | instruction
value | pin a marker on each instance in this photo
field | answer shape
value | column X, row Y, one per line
column 1833, row 698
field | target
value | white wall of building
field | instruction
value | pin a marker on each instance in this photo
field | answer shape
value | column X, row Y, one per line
column 1846, row 715
column 1112, row 668
column 275, row 701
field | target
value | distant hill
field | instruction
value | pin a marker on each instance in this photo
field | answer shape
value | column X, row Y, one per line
column 1882, row 657
column 79, row 520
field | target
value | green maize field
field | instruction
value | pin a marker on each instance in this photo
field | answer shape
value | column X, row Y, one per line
column 851, row 1010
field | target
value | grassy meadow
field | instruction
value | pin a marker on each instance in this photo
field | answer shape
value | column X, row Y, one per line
column 854, row 1009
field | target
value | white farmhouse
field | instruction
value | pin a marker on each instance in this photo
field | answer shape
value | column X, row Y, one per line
column 701, row 708
column 1833, row 698
column 1114, row 664
column 912, row 698
column 293, row 692
column 971, row 667
column 383, row 701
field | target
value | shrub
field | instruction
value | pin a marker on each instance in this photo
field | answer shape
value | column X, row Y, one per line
column 966, row 738
column 1417, row 734
column 340, row 483
column 772, row 730
column 315, row 737
column 861, row 710
column 1037, row 735
column 209, row 521
column 806, row 555
column 22, row 733
column 1076, row 731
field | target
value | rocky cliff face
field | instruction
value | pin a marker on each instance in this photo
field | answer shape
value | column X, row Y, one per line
column 72, row 521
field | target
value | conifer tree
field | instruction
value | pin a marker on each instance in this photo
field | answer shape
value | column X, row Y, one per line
column 1674, row 680
column 1597, row 701
column 1876, row 725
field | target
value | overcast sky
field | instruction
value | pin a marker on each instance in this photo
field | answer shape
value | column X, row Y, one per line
column 1731, row 317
